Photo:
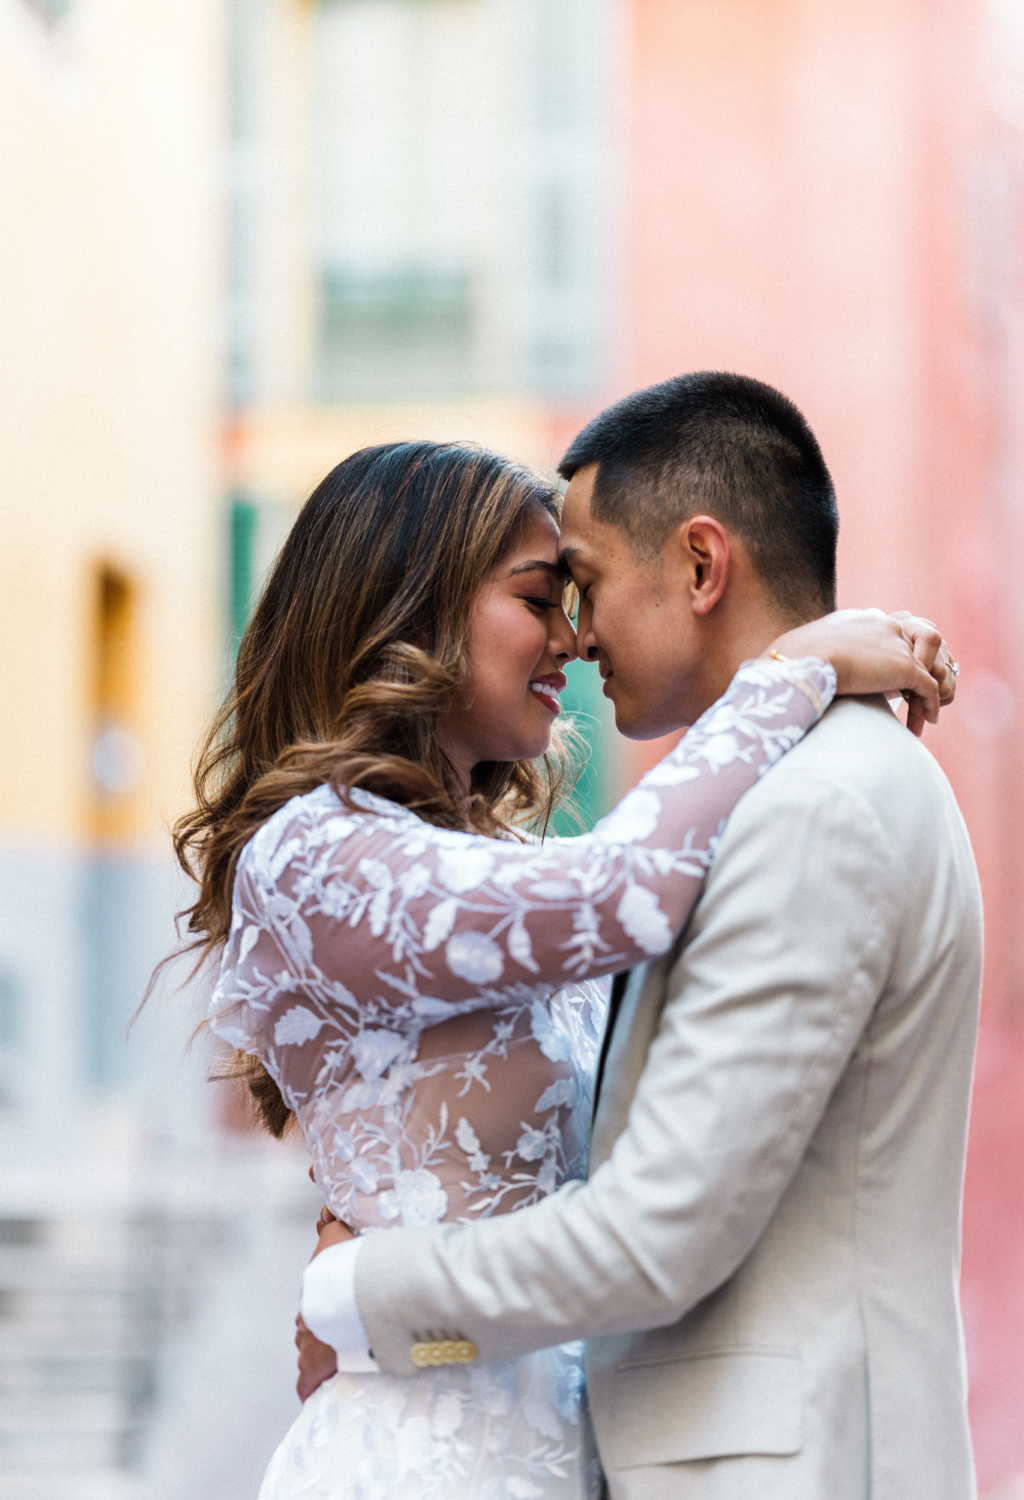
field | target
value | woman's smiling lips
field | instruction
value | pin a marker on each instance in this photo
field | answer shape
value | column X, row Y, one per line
column 548, row 688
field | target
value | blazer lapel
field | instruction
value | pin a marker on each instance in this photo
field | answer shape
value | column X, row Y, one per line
column 614, row 1006
column 634, row 1012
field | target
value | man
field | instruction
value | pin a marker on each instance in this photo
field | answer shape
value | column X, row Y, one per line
column 764, row 1258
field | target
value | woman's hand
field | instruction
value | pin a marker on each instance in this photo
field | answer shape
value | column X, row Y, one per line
column 931, row 651
column 330, row 1231
column 876, row 653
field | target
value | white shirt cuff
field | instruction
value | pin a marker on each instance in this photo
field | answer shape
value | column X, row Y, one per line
column 329, row 1308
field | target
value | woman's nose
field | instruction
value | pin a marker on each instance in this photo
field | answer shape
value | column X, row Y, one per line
column 562, row 641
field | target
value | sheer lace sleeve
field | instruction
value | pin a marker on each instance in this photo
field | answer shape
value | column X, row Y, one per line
column 359, row 913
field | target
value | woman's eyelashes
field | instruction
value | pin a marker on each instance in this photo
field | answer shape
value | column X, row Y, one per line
column 539, row 603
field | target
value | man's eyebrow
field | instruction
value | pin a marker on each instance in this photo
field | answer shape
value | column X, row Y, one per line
column 557, row 570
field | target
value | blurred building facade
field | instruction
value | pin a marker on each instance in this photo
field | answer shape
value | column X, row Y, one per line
column 110, row 406
column 253, row 237
column 828, row 194
column 544, row 205
column 109, row 568
column 425, row 240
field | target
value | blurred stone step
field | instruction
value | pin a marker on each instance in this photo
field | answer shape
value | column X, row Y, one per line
column 69, row 1484
column 94, row 1290
column 84, row 1448
column 27, row 1343
column 80, row 1429
column 75, row 1304
column 64, row 1370
column 40, row 1269
column 83, row 1313
column 70, row 1410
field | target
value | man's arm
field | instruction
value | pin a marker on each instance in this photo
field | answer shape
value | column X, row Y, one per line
column 788, row 955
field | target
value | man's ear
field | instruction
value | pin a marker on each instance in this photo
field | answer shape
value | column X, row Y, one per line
column 704, row 551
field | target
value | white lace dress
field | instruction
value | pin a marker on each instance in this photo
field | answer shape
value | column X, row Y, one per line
column 431, row 1004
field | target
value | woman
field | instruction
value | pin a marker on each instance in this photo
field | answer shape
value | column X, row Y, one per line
column 414, row 981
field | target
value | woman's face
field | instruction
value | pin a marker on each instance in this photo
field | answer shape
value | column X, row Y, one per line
column 520, row 638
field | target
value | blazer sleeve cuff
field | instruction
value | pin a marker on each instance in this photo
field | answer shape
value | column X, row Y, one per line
column 329, row 1308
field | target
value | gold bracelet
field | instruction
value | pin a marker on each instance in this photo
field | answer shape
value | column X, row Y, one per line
column 800, row 683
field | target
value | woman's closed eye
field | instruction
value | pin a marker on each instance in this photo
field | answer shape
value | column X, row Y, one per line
column 539, row 603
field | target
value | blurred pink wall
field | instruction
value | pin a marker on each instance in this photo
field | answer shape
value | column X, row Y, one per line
column 822, row 194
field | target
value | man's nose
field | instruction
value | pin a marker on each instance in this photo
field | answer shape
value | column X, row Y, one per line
column 586, row 644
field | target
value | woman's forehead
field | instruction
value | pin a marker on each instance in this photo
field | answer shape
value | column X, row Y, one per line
column 538, row 536
column 535, row 552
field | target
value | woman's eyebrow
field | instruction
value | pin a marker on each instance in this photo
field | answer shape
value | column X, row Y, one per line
column 557, row 570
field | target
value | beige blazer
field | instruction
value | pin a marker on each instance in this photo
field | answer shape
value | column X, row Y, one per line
column 764, row 1260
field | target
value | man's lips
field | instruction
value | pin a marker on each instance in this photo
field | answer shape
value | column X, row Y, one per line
column 548, row 688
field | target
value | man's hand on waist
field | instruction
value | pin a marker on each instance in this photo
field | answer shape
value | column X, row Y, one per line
column 330, row 1334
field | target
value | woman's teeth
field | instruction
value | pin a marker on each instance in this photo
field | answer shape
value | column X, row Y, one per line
column 546, row 689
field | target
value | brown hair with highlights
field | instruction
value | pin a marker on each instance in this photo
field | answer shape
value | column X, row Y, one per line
column 353, row 654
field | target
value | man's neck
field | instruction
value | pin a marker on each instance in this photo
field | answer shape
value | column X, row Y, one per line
column 735, row 640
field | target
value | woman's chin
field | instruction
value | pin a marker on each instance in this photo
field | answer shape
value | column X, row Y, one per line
column 530, row 747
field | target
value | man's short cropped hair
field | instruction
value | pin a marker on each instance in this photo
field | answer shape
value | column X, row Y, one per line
column 730, row 447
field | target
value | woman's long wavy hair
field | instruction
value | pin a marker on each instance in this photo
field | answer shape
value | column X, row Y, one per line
column 355, row 651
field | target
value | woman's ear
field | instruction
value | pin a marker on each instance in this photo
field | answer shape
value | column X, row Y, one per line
column 705, row 554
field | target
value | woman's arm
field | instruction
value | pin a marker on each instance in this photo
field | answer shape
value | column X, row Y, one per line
column 901, row 655
column 335, row 904
column 343, row 914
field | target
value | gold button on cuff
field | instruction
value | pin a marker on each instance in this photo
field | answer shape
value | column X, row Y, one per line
column 430, row 1356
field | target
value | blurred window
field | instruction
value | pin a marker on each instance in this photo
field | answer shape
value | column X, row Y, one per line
column 397, row 167
column 118, row 766
column 51, row 11
column 118, row 758
column 15, row 1078
column 461, row 194
column 244, row 195
column 397, row 332
column 11, row 1016
column 571, row 62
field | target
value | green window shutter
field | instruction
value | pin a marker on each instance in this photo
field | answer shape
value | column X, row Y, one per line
column 244, row 526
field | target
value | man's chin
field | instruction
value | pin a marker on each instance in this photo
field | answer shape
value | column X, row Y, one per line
column 634, row 724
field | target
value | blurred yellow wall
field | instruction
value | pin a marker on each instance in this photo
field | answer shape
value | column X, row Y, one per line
column 112, row 118
column 109, row 331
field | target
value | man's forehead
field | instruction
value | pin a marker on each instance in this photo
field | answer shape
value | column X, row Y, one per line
column 583, row 541
column 577, row 521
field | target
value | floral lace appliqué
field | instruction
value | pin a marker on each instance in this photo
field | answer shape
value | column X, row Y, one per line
column 431, row 1003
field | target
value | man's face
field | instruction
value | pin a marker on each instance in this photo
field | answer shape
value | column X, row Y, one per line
column 636, row 620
